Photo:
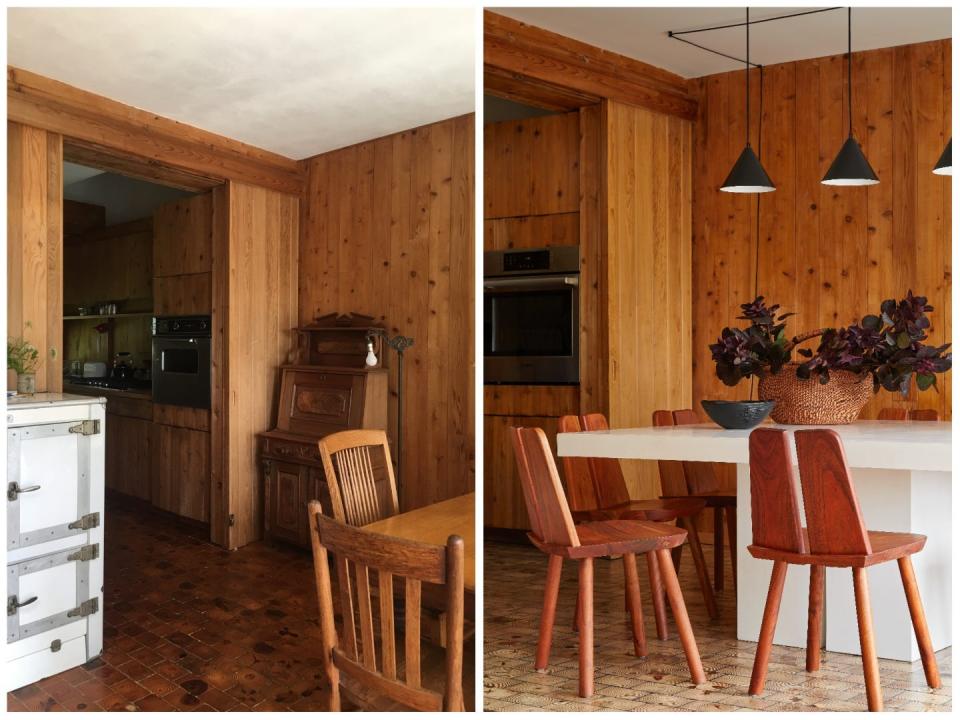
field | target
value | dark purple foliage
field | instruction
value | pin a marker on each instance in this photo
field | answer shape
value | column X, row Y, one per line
column 888, row 346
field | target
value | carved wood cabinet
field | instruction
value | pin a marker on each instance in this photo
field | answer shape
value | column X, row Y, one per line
column 322, row 394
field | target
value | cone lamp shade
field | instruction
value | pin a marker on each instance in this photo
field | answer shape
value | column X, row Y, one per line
column 850, row 167
column 748, row 175
column 945, row 163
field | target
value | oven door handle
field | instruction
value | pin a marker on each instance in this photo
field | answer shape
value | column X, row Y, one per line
column 532, row 283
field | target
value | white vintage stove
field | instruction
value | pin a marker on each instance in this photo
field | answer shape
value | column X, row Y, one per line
column 54, row 534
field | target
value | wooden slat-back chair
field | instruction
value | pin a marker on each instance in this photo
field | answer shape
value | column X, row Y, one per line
column 702, row 481
column 835, row 536
column 597, row 490
column 355, row 666
column 925, row 414
column 556, row 535
column 350, row 463
column 892, row 413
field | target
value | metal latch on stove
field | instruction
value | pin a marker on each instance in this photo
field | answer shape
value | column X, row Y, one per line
column 87, row 607
column 86, row 522
column 87, row 427
column 86, row 553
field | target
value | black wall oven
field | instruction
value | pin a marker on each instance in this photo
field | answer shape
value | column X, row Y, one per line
column 181, row 361
column 531, row 316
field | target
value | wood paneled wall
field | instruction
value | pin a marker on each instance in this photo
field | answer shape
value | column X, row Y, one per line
column 388, row 230
column 830, row 254
column 34, row 246
column 256, row 234
column 648, row 305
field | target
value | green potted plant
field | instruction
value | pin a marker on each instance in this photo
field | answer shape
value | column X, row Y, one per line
column 833, row 383
column 23, row 358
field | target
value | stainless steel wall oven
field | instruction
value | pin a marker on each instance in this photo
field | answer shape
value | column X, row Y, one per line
column 531, row 316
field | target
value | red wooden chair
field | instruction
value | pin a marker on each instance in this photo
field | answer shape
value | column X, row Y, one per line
column 700, row 480
column 835, row 536
column 555, row 534
column 597, row 491
column 925, row 414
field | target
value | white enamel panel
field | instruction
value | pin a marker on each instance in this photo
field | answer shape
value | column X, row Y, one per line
column 51, row 464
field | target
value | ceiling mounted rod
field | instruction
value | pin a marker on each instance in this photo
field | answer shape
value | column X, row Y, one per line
column 674, row 33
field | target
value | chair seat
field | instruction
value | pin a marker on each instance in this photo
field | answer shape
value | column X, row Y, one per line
column 657, row 510
column 709, row 499
column 886, row 546
column 616, row 537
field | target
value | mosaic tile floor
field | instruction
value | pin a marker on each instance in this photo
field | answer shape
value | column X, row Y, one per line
column 513, row 587
column 189, row 626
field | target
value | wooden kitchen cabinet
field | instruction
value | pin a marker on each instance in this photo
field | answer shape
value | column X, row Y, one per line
column 183, row 236
column 128, row 459
column 180, row 478
column 182, row 295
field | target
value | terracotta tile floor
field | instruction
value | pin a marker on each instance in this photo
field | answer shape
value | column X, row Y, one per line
column 189, row 626
column 513, row 587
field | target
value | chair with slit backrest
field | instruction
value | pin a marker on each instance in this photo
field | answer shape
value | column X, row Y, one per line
column 598, row 491
column 375, row 682
column 892, row 413
column 925, row 415
column 554, row 533
column 835, row 536
column 703, row 481
column 359, row 474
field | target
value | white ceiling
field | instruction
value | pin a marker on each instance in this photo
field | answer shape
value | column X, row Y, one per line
column 73, row 173
column 297, row 81
column 641, row 33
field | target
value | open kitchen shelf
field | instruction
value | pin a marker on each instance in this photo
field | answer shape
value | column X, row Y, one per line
column 107, row 317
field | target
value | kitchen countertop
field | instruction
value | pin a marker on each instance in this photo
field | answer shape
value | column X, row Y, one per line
column 92, row 390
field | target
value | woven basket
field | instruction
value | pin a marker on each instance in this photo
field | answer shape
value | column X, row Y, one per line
column 807, row 402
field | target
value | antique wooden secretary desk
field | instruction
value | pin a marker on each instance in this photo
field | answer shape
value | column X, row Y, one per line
column 329, row 388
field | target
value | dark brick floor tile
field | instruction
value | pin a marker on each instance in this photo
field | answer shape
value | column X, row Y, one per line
column 218, row 699
column 129, row 690
column 93, row 690
column 107, row 674
column 146, row 656
column 134, row 669
column 158, row 685
column 152, row 703
column 182, row 700
column 169, row 670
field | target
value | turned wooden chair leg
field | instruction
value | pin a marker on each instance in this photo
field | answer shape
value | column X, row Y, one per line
column 701, row 564
column 731, row 516
column 919, row 622
column 868, row 651
column 676, row 553
column 656, row 589
column 684, row 629
column 586, row 627
column 815, row 618
column 718, row 549
column 576, row 614
column 632, row 582
column 550, row 591
column 767, row 627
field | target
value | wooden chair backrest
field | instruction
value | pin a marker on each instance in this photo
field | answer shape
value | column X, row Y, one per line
column 774, row 504
column 359, row 473
column 581, row 487
column 834, row 521
column 547, row 507
column 607, row 474
column 357, row 551
column 673, row 479
column 892, row 413
column 926, row 414
column 701, row 477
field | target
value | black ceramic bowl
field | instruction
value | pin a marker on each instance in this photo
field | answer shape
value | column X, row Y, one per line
column 737, row 414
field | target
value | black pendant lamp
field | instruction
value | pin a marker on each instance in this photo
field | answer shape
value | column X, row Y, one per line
column 748, row 175
column 945, row 163
column 850, row 166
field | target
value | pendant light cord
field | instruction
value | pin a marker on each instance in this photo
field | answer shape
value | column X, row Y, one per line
column 850, row 69
column 747, row 70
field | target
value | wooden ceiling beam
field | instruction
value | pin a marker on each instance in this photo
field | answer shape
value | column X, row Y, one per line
column 540, row 56
column 86, row 119
column 510, row 86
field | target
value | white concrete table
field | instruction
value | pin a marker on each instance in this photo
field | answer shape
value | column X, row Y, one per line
column 902, row 475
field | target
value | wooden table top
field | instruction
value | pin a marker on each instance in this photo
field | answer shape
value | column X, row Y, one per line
column 434, row 524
